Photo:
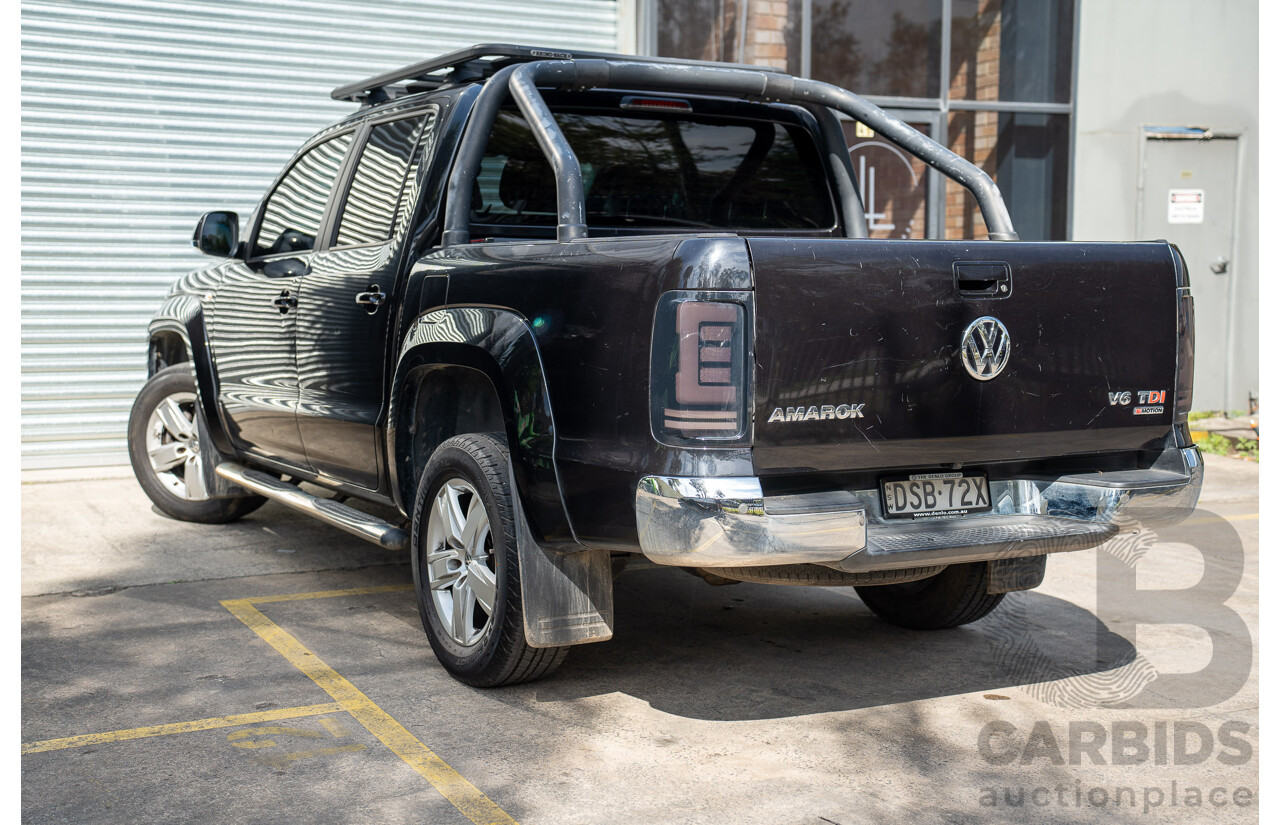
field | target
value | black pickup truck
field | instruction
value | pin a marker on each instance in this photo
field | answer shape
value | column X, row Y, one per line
column 562, row 310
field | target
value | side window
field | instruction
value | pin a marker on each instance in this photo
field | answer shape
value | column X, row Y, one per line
column 295, row 209
column 384, row 187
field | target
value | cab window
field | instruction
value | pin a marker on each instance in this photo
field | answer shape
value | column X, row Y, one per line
column 293, row 213
column 384, row 187
column 645, row 170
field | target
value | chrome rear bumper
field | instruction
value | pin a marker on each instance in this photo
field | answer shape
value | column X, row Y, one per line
column 729, row 522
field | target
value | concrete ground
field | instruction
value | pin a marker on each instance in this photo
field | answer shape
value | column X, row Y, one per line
column 165, row 679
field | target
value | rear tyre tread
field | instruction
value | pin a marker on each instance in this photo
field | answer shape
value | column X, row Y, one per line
column 956, row 596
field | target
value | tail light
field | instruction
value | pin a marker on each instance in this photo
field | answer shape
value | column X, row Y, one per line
column 1186, row 352
column 1186, row 360
column 699, row 387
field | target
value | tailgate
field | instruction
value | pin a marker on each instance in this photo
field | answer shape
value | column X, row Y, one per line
column 858, row 350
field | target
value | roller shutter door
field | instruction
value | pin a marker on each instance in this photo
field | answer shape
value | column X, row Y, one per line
column 138, row 116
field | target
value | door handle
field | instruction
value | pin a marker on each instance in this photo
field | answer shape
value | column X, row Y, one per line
column 372, row 299
column 982, row 279
column 284, row 302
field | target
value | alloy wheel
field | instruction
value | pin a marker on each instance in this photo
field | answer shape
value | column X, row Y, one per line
column 460, row 563
column 173, row 447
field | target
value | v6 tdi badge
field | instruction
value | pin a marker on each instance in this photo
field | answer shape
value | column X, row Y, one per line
column 1150, row 402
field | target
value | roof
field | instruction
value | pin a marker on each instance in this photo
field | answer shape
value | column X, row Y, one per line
column 478, row 63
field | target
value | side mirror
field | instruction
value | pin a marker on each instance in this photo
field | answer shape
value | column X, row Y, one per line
column 218, row 234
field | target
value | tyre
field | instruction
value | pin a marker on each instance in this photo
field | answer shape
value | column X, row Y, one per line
column 958, row 595
column 164, row 449
column 466, row 569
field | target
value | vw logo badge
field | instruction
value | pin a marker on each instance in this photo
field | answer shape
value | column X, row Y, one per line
column 984, row 350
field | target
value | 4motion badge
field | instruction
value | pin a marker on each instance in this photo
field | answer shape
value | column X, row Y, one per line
column 984, row 348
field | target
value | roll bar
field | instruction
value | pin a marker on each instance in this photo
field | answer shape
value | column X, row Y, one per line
column 521, row 81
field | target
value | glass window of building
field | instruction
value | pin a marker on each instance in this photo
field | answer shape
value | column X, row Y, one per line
column 889, row 49
column 893, row 185
column 1026, row 155
column 1002, row 100
column 1012, row 50
column 731, row 31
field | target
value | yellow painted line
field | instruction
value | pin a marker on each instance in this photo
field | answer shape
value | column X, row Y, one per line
column 325, row 594
column 464, row 796
column 181, row 727
column 1240, row 517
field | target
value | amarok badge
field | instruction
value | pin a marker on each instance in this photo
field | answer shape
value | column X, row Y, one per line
column 824, row 413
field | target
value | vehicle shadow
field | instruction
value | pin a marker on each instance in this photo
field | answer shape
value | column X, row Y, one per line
column 748, row 651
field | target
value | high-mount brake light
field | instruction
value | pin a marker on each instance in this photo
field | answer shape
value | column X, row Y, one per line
column 631, row 102
column 699, row 381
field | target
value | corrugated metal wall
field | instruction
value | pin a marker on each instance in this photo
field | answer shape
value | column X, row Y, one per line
column 139, row 115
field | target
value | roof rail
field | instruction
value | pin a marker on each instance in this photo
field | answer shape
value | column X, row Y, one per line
column 477, row 63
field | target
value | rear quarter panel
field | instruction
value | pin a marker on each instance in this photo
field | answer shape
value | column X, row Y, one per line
column 590, row 306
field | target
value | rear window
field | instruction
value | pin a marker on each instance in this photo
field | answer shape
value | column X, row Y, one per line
column 655, row 171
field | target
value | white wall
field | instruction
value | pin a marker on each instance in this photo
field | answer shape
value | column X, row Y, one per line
column 1166, row 63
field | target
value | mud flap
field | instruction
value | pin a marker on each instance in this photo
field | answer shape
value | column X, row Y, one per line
column 567, row 597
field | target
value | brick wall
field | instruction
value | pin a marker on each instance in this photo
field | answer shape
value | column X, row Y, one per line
column 766, row 24
column 718, row 36
column 975, row 76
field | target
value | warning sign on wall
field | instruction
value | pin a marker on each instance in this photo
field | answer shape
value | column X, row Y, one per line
column 1186, row 206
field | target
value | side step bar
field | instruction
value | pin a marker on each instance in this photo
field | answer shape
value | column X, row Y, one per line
column 355, row 522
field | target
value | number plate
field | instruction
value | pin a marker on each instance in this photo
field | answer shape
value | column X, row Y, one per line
column 935, row 495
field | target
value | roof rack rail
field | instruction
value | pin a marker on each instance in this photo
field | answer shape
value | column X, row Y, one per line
column 479, row 62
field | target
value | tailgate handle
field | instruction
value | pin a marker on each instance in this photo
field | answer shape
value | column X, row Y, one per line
column 983, row 279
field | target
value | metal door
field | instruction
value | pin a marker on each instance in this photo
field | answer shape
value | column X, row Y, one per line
column 252, row 336
column 255, row 307
column 342, row 321
column 342, row 331
column 1188, row 196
